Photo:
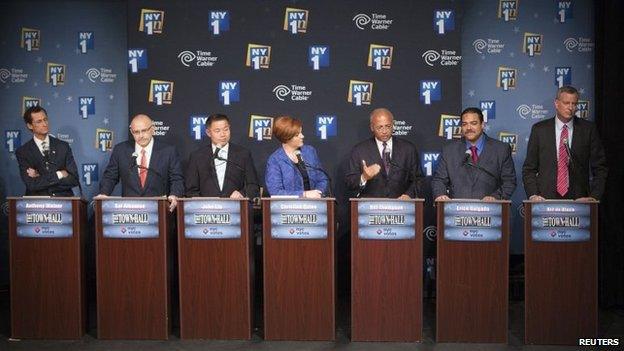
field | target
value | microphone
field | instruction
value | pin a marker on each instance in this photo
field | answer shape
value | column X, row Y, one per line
column 468, row 161
column 245, row 183
column 467, row 156
column 307, row 165
column 569, row 152
column 149, row 169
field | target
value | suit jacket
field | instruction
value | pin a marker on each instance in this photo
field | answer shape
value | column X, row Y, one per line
column 240, row 173
column 48, row 183
column 405, row 175
column 539, row 171
column 164, row 176
column 461, row 180
column 282, row 177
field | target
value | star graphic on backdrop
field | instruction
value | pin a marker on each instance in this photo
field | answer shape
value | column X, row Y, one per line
column 39, row 59
column 480, row 13
column 36, row 84
column 70, row 99
column 546, row 69
column 78, row 51
column 105, row 121
column 56, row 94
column 589, row 66
column 81, row 80
column 58, row 45
column 512, row 54
column 516, row 30
column 582, row 91
column 558, row 51
column 111, row 96
column 536, row 15
column 483, row 57
column 471, row 93
column 524, row 74
column 48, row 103
column 531, row 65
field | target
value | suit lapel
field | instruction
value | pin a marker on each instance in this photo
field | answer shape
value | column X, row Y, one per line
column 228, row 173
column 374, row 154
column 215, row 177
column 578, row 137
column 153, row 165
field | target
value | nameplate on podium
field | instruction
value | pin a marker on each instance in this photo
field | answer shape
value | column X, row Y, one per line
column 298, row 219
column 560, row 222
column 44, row 218
column 472, row 221
column 386, row 220
column 212, row 219
column 130, row 219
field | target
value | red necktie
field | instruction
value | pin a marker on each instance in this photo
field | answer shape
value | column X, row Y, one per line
column 562, row 164
column 143, row 169
column 475, row 155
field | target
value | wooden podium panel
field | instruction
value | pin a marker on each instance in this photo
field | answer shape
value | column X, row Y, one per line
column 48, row 298
column 132, row 281
column 216, row 280
column 561, row 286
column 299, row 282
column 472, row 285
column 386, row 283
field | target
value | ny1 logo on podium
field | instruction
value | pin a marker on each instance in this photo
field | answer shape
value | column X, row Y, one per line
column 12, row 140
column 152, row 21
column 563, row 76
column 161, row 92
column 582, row 109
column 103, row 139
column 295, row 20
column 55, row 74
column 30, row 39
column 137, row 59
column 380, row 56
column 564, row 11
column 258, row 56
column 360, row 92
column 318, row 56
column 229, row 92
column 532, row 44
column 28, row 102
column 450, row 127
column 260, row 127
column 488, row 107
column 508, row 10
column 506, row 78
column 443, row 21
column 197, row 127
column 219, row 22
column 509, row 138
column 430, row 90
column 90, row 173
column 429, row 162
column 326, row 126
column 86, row 106
column 86, row 41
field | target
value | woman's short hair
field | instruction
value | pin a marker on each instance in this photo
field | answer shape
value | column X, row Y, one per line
column 286, row 128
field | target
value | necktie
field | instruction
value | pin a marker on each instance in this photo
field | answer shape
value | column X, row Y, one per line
column 475, row 155
column 143, row 169
column 385, row 155
column 45, row 149
column 562, row 164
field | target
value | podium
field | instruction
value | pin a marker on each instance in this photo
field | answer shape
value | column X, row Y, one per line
column 472, row 271
column 386, row 269
column 299, row 269
column 561, row 271
column 215, row 263
column 132, row 256
column 46, row 237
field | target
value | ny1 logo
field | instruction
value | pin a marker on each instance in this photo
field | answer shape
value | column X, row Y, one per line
column 488, row 107
column 326, row 126
column 380, row 56
column 450, row 127
column 295, row 20
column 137, row 59
column 31, row 39
column 443, row 21
column 360, row 93
column 258, row 56
column 563, row 76
column 260, row 127
column 429, row 162
column 219, row 22
column 55, row 74
column 318, row 56
column 229, row 92
column 90, row 173
column 86, row 106
column 564, row 11
column 103, row 139
column 506, row 78
column 532, row 44
column 161, row 92
column 152, row 21
column 430, row 90
column 86, row 41
column 28, row 102
column 13, row 140
column 198, row 127
column 508, row 10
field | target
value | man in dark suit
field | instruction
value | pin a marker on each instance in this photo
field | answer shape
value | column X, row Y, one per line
column 562, row 153
column 144, row 166
column 46, row 164
column 222, row 168
column 475, row 167
column 384, row 166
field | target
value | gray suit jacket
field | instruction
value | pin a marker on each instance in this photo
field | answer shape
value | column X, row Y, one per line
column 457, row 179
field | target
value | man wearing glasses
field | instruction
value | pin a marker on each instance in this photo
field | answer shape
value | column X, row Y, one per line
column 144, row 166
column 384, row 166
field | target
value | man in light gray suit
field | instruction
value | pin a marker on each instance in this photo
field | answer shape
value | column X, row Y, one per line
column 476, row 166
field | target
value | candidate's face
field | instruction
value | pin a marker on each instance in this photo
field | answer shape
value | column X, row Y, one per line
column 471, row 126
column 565, row 105
column 39, row 124
column 219, row 132
column 142, row 130
column 382, row 126
column 296, row 141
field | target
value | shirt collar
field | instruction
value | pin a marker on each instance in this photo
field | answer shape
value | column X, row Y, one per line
column 479, row 144
column 39, row 141
column 225, row 147
column 559, row 125
column 380, row 143
column 148, row 148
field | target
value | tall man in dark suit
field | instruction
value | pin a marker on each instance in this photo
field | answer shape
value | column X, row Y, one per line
column 222, row 168
column 384, row 166
column 561, row 153
column 46, row 164
column 475, row 167
column 144, row 166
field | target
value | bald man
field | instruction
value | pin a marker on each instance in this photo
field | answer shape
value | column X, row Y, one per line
column 384, row 165
column 144, row 166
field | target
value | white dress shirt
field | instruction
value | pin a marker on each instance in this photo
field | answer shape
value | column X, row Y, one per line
column 219, row 164
column 558, row 127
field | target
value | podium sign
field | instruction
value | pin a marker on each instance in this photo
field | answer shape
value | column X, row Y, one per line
column 386, row 220
column 43, row 218
column 212, row 219
column 298, row 219
column 567, row 222
column 130, row 219
column 473, row 221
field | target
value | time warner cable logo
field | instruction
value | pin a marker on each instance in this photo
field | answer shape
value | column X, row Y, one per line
column 534, row 111
column 360, row 92
column 152, row 21
column 380, row 56
column 490, row 46
column 104, row 75
column 258, row 56
column 30, row 39
column 295, row 20
column 161, row 92
column 219, row 22
column 200, row 57
column 377, row 21
column 580, row 45
column 296, row 92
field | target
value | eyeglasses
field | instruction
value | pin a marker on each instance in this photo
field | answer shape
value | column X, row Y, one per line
column 382, row 128
column 142, row 131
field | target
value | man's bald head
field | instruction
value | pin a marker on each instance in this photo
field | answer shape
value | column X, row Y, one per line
column 142, row 129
